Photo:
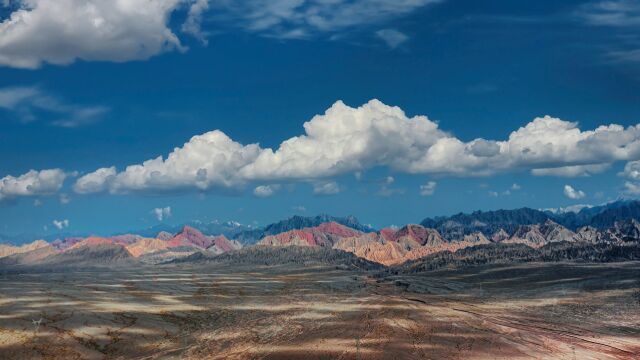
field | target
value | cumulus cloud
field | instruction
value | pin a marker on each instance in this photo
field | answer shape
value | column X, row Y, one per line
column 428, row 189
column 62, row 31
column 516, row 186
column 32, row 183
column 392, row 37
column 162, row 213
column 264, row 191
column 61, row 224
column 351, row 140
column 632, row 188
column 572, row 171
column 25, row 102
column 631, row 170
column 306, row 18
column 572, row 193
column 326, row 188
column 94, row 182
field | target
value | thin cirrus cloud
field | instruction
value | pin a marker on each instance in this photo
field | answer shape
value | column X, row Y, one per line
column 288, row 19
column 348, row 140
column 392, row 37
column 63, row 31
column 26, row 103
column 611, row 13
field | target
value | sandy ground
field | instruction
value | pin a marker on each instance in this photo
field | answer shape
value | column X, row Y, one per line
column 541, row 311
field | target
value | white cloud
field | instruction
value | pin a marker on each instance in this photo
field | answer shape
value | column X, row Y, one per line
column 392, row 37
column 61, row 224
column 37, row 203
column 25, row 102
column 326, row 188
column 352, row 140
column 32, row 183
column 631, row 170
column 572, row 208
column 493, row 193
column 299, row 208
column 428, row 189
column 264, row 191
column 194, row 19
column 97, row 181
column 162, row 213
column 572, row 193
column 306, row 18
column 516, row 186
column 61, row 31
column 572, row 171
column 632, row 188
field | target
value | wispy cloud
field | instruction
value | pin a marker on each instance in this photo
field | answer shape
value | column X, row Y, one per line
column 27, row 104
column 392, row 37
column 624, row 56
column 288, row 19
column 611, row 13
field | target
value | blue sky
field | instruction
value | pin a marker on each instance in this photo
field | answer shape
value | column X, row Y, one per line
column 121, row 86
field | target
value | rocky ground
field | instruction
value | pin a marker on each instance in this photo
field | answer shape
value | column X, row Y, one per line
column 218, row 311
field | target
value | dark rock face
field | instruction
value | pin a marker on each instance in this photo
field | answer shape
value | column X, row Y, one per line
column 491, row 222
column 488, row 222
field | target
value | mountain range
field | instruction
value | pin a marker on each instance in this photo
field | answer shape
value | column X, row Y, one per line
column 615, row 223
column 488, row 222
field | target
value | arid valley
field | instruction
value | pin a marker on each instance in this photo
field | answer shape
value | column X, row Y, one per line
column 311, row 310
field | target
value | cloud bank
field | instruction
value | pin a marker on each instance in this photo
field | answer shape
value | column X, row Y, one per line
column 348, row 140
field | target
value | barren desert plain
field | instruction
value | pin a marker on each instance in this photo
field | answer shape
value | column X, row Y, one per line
column 322, row 311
